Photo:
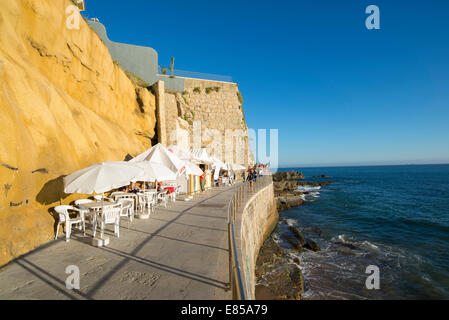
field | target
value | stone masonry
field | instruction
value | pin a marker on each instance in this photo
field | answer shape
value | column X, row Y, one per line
column 208, row 114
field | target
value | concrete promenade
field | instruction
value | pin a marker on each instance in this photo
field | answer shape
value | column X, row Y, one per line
column 181, row 252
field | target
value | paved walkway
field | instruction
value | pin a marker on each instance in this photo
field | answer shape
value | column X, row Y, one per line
column 181, row 252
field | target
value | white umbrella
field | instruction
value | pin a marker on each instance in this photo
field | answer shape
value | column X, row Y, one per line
column 201, row 156
column 217, row 163
column 186, row 156
column 153, row 172
column 159, row 154
column 236, row 167
column 101, row 177
column 180, row 152
column 193, row 169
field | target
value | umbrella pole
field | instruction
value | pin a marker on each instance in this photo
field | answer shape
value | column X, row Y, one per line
column 102, row 212
column 102, row 241
column 144, row 197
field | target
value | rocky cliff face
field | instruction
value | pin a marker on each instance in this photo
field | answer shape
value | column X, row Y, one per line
column 64, row 105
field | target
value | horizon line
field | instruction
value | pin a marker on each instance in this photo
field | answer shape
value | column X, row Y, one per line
column 361, row 165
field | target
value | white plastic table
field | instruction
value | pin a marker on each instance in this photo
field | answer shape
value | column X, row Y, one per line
column 95, row 208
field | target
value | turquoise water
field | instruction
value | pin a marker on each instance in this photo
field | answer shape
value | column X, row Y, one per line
column 394, row 217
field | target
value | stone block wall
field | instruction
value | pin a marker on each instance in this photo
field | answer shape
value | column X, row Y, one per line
column 208, row 114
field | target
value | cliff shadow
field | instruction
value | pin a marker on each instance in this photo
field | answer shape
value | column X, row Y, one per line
column 52, row 191
column 55, row 217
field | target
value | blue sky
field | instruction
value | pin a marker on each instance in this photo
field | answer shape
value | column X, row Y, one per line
column 339, row 94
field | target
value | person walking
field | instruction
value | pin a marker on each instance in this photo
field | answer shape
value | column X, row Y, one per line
column 202, row 181
column 251, row 178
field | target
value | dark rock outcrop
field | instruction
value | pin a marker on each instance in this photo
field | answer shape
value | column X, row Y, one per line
column 277, row 278
column 311, row 245
column 281, row 283
column 298, row 242
column 286, row 202
column 268, row 253
column 291, row 175
column 294, row 242
column 285, row 185
column 297, row 234
column 314, row 230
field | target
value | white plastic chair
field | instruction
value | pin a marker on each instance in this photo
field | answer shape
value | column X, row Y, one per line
column 80, row 202
column 152, row 200
column 98, row 198
column 116, row 193
column 130, row 196
column 64, row 217
column 162, row 197
column 127, row 209
column 142, row 201
column 172, row 196
column 108, row 215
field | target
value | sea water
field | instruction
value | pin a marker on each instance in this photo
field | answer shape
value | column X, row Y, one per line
column 393, row 217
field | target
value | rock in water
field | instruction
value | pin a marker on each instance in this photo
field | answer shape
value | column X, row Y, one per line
column 294, row 242
column 298, row 235
column 284, row 203
column 311, row 245
column 314, row 230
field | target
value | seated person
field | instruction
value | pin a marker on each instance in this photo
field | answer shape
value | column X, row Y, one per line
column 159, row 186
column 133, row 188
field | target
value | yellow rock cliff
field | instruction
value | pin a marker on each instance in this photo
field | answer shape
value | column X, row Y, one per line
column 64, row 105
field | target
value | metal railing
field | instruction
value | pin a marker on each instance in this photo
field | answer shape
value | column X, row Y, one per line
column 243, row 193
column 196, row 75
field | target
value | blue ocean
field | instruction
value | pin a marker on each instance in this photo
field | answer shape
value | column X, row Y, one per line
column 392, row 217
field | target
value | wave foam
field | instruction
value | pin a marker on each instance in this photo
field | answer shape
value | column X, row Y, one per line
column 307, row 188
column 291, row 222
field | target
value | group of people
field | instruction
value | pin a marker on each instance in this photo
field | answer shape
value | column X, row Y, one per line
column 226, row 175
column 134, row 187
column 253, row 172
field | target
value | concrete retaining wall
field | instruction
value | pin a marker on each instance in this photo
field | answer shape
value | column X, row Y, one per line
column 253, row 225
column 140, row 60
